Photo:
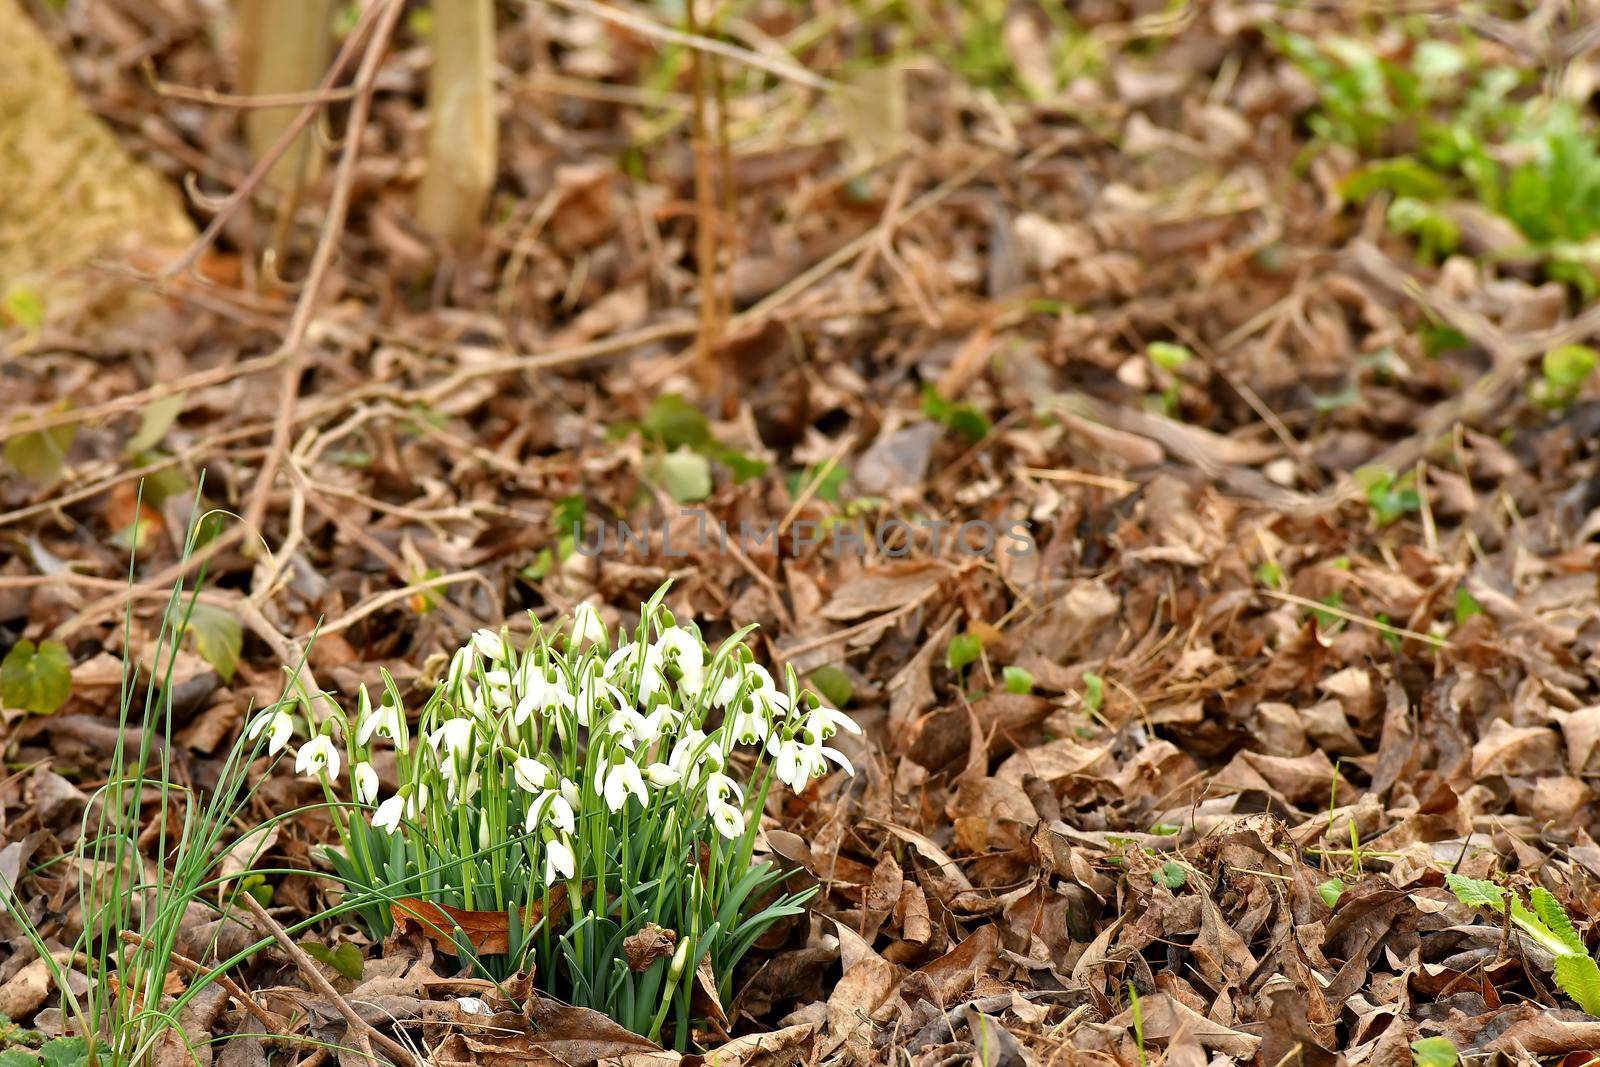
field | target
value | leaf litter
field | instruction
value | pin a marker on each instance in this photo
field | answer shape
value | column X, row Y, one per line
column 1305, row 644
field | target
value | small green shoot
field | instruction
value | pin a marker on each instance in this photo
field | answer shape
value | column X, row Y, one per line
column 1137, row 1011
column 964, row 419
column 1563, row 371
column 1094, row 692
column 1016, row 680
column 963, row 651
column 1390, row 498
column 1466, row 605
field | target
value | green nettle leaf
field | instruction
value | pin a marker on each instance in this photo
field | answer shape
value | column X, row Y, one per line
column 686, row 475
column 218, row 638
column 1330, row 891
column 36, row 678
column 1579, row 978
column 346, row 959
column 1475, row 892
column 834, row 684
column 158, row 417
column 40, row 455
column 1434, row 1052
column 964, row 651
column 1017, row 680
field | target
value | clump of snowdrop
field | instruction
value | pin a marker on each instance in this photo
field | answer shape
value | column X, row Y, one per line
column 584, row 784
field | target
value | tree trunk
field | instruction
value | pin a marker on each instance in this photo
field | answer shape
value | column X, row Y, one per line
column 463, row 141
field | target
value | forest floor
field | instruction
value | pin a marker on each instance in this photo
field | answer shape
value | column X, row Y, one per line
column 1281, row 390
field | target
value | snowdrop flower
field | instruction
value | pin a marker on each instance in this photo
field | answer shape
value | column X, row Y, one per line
column 461, row 665
column 318, row 755
column 366, row 782
column 570, row 792
column 387, row 817
column 530, row 774
column 796, row 763
column 551, row 808
column 589, row 695
column 416, row 800
column 586, row 625
column 692, row 756
column 822, row 722
column 763, row 696
column 680, row 648
column 456, row 790
column 279, row 728
column 620, row 663
column 539, row 693
column 492, row 646
column 456, row 734
column 615, row 781
column 727, row 817
column 383, row 720
column 559, row 860
column 662, row 775
column 633, row 729
column 748, row 727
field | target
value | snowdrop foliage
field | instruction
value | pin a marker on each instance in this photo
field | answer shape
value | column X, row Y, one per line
column 602, row 781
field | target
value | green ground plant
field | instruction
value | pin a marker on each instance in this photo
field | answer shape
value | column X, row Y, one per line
column 1547, row 924
column 1437, row 123
column 592, row 801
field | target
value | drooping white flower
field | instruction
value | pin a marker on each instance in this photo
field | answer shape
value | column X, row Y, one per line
column 620, row 663
column 278, row 726
column 662, row 775
column 727, row 815
column 633, row 729
column 559, row 861
column 531, row 774
column 417, row 800
column 387, row 817
column 586, row 625
column 461, row 665
column 728, row 819
column 540, row 694
column 822, row 722
column 680, row 648
column 615, row 781
column 382, row 720
column 590, row 693
column 570, row 792
column 748, row 727
column 551, row 808
column 455, row 734
column 492, row 645
column 794, row 763
column 365, row 780
column 317, row 756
